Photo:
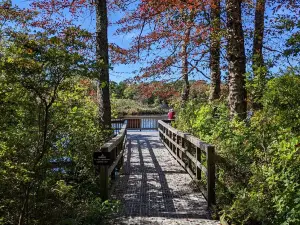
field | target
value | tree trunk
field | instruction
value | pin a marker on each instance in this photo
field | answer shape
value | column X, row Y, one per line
column 185, row 76
column 215, row 72
column 236, row 59
column 102, row 56
column 257, row 57
column 184, row 59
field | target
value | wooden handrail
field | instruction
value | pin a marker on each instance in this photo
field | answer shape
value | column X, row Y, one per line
column 114, row 150
column 143, row 122
column 179, row 145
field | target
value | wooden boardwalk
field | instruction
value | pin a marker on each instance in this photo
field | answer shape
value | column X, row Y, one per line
column 154, row 189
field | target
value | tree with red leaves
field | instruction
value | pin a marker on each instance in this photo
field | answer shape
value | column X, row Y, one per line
column 172, row 38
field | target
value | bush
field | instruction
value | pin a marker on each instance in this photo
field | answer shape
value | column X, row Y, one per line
column 49, row 130
column 261, row 167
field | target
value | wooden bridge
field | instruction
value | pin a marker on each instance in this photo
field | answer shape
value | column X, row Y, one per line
column 157, row 174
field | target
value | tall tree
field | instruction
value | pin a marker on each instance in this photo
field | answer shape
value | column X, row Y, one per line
column 102, row 56
column 171, row 38
column 215, row 73
column 258, row 59
column 257, row 55
column 236, row 59
column 185, row 71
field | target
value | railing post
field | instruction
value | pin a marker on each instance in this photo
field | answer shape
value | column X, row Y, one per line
column 189, row 150
column 178, row 142
column 173, row 145
column 198, row 159
column 210, row 159
column 103, row 182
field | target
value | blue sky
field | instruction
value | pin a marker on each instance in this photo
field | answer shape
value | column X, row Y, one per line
column 122, row 72
column 119, row 72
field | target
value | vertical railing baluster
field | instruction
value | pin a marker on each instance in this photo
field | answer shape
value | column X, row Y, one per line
column 210, row 159
column 198, row 159
column 188, row 148
column 178, row 142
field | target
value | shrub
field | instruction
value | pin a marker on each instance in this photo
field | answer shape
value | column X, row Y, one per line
column 260, row 170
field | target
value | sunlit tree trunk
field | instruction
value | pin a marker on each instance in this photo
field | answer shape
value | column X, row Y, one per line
column 215, row 73
column 184, row 72
column 257, row 57
column 184, row 59
column 236, row 59
column 102, row 56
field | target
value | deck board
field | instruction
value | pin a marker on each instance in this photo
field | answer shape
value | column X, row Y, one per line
column 154, row 189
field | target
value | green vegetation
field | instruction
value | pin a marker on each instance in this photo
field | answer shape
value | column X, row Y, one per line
column 56, row 96
column 153, row 97
column 133, row 107
column 260, row 172
column 49, row 130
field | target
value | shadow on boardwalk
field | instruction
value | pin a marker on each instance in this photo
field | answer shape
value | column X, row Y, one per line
column 154, row 188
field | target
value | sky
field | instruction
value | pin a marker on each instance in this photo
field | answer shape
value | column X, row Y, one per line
column 122, row 72
column 118, row 72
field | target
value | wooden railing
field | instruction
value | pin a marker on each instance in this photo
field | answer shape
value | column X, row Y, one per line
column 143, row 122
column 188, row 151
column 110, row 159
column 117, row 125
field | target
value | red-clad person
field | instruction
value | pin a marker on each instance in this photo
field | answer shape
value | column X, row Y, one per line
column 171, row 114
